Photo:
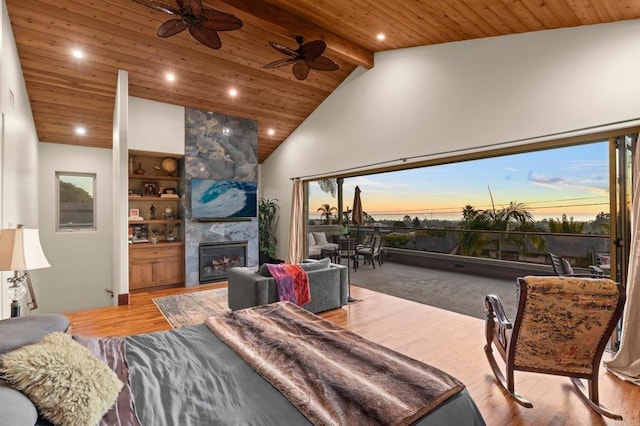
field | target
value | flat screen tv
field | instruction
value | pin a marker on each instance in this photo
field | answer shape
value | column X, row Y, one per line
column 223, row 199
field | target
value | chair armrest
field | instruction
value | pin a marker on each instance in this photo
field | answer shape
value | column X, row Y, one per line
column 494, row 304
column 344, row 282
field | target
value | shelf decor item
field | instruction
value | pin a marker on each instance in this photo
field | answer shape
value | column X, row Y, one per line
column 139, row 233
column 134, row 214
column 169, row 165
column 149, row 189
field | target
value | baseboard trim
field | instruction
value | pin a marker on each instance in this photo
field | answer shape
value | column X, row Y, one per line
column 123, row 299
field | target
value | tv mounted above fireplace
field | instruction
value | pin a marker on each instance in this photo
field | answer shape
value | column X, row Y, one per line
column 223, row 200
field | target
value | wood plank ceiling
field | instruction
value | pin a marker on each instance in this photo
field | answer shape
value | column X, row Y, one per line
column 120, row 34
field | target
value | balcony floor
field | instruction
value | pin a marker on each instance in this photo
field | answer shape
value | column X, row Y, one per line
column 452, row 291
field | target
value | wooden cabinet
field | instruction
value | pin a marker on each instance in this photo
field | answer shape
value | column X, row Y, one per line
column 156, row 265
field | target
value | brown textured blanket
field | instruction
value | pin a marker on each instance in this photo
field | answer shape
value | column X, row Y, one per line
column 331, row 375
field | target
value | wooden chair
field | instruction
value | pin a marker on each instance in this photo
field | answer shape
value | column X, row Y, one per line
column 561, row 327
column 347, row 248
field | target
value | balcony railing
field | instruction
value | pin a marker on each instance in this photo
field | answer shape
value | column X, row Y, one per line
column 513, row 246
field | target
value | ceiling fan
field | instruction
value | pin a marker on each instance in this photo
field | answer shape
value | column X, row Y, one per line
column 306, row 57
column 203, row 22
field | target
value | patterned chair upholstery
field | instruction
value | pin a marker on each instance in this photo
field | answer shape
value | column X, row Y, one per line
column 561, row 327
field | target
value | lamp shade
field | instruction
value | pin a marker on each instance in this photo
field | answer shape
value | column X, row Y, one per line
column 20, row 250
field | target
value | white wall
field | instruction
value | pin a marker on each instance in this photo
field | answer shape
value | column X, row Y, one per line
column 19, row 155
column 463, row 97
column 155, row 126
column 81, row 262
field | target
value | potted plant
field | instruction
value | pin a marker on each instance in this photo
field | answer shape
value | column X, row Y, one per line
column 267, row 224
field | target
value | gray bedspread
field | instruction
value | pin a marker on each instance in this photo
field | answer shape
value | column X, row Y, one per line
column 187, row 376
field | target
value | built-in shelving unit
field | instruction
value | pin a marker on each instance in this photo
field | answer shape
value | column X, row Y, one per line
column 156, row 235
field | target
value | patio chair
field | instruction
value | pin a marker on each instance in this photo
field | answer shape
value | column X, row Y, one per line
column 372, row 252
column 347, row 248
column 561, row 327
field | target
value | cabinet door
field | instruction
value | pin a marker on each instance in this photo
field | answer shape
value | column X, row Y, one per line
column 170, row 270
column 141, row 274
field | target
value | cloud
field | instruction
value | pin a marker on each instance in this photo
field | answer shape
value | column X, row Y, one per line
column 598, row 186
column 549, row 182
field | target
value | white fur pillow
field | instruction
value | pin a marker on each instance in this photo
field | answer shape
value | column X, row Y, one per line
column 67, row 383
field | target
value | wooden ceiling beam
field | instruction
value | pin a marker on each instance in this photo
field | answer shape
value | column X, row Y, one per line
column 286, row 24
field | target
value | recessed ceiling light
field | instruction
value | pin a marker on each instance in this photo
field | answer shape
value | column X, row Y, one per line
column 81, row 131
column 77, row 54
column 271, row 132
column 170, row 76
column 233, row 93
column 380, row 36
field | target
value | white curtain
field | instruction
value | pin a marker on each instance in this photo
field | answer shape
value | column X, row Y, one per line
column 296, row 224
column 626, row 363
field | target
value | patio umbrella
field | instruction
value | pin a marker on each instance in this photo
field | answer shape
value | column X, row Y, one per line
column 356, row 217
column 356, row 214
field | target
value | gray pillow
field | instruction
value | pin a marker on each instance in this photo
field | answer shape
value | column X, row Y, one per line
column 15, row 408
column 264, row 270
column 315, row 265
column 30, row 329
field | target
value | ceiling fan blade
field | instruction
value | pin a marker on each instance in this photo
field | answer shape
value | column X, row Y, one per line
column 207, row 37
column 280, row 63
column 171, row 27
column 301, row 70
column 284, row 49
column 322, row 64
column 215, row 20
column 192, row 7
column 159, row 7
column 312, row 49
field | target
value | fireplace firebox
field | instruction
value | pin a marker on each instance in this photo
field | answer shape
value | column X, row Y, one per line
column 217, row 258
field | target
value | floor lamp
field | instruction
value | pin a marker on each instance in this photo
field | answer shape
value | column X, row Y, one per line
column 20, row 251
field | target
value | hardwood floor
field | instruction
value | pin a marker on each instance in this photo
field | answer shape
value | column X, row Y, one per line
column 447, row 340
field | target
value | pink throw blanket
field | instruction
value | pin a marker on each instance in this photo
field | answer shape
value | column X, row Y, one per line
column 292, row 283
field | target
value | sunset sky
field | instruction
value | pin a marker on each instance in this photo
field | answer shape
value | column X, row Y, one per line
column 571, row 180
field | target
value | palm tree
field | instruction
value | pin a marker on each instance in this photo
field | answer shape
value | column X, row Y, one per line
column 472, row 243
column 329, row 186
column 514, row 217
column 326, row 212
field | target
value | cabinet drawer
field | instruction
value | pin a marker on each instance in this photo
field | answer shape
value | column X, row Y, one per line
column 155, row 252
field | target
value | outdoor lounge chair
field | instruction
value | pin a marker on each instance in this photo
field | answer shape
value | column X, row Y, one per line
column 561, row 327
column 563, row 268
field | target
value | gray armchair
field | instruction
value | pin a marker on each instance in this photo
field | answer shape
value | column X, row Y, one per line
column 328, row 285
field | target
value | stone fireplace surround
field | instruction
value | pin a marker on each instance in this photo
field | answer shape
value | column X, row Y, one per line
column 219, row 147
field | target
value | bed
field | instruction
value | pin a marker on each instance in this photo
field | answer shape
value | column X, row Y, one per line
column 269, row 365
